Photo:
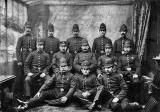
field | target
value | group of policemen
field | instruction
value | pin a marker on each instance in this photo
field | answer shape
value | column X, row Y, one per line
column 104, row 75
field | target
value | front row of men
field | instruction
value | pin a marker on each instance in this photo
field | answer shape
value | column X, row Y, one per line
column 110, row 86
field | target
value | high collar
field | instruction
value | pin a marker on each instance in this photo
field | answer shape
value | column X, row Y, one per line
column 108, row 55
column 128, row 54
column 76, row 36
column 85, row 51
column 29, row 35
column 63, row 73
column 51, row 37
column 39, row 52
column 63, row 52
column 85, row 76
column 124, row 38
column 102, row 36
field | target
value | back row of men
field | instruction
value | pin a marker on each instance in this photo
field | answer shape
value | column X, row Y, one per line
column 38, row 57
column 27, row 43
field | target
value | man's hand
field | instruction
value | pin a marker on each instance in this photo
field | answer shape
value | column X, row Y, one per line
column 135, row 76
column 129, row 69
column 37, row 95
column 85, row 94
column 42, row 75
column 30, row 74
column 123, row 52
column 115, row 100
column 64, row 99
column 19, row 63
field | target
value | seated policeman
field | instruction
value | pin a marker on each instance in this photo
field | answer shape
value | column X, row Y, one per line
column 87, row 91
column 56, row 91
column 36, row 67
column 115, row 89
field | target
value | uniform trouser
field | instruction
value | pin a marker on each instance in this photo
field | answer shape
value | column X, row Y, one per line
column 134, row 91
column 106, row 99
column 50, row 96
column 28, row 83
column 94, row 97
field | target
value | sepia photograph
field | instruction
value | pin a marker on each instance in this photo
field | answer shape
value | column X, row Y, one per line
column 79, row 56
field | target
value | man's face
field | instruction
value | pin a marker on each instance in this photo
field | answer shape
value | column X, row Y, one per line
column 102, row 33
column 84, row 48
column 123, row 33
column 127, row 49
column 85, row 71
column 28, row 30
column 64, row 69
column 63, row 48
column 50, row 33
column 108, row 70
column 75, row 33
column 108, row 51
column 40, row 47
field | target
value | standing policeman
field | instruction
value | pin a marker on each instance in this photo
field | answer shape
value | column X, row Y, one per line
column 25, row 45
column 119, row 43
column 36, row 67
column 74, row 43
column 99, row 43
column 51, row 43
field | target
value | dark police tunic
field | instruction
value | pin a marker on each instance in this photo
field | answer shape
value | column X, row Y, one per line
column 57, row 56
column 37, row 62
column 131, row 62
column 119, row 45
column 25, row 45
column 74, row 45
column 102, row 60
column 51, row 46
column 99, row 45
column 80, row 57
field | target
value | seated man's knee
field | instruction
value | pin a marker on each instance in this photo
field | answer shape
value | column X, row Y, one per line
column 125, row 104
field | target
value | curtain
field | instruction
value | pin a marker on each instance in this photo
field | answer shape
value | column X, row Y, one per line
column 141, row 19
